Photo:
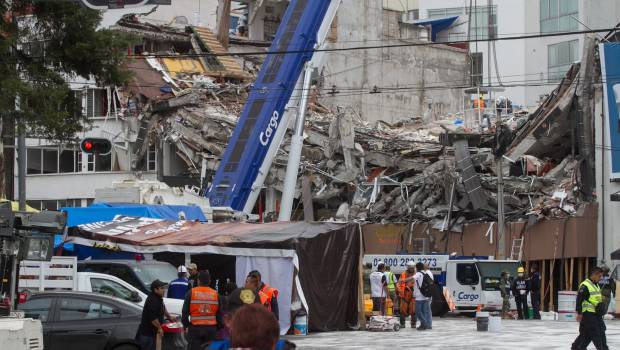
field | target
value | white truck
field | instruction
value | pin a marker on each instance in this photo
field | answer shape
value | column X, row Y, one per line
column 61, row 274
column 467, row 284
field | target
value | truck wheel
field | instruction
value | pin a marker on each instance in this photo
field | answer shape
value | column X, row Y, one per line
column 396, row 327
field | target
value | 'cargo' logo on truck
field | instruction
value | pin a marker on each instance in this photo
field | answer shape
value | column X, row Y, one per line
column 273, row 124
column 470, row 297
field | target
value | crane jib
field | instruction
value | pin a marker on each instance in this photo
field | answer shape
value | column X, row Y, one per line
column 262, row 114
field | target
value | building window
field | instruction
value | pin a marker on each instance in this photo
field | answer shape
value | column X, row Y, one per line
column 69, row 161
column 34, row 162
column 151, row 158
column 557, row 15
column 95, row 102
column 476, row 68
column 445, row 12
column 54, row 204
column 483, row 23
column 560, row 57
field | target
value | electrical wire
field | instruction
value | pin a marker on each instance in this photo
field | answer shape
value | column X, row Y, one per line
column 373, row 47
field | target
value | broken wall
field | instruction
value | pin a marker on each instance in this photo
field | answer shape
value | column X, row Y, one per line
column 420, row 73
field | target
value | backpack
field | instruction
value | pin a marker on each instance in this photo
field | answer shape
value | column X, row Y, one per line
column 427, row 285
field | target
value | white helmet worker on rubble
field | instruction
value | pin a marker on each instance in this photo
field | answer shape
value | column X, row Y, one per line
column 410, row 264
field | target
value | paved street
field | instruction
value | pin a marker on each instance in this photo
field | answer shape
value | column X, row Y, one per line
column 461, row 334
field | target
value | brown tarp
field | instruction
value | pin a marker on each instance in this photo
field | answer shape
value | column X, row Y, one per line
column 328, row 254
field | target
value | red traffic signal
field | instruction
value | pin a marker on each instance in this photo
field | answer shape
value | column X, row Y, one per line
column 95, row 145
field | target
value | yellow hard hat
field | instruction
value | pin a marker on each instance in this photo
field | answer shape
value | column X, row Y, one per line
column 520, row 270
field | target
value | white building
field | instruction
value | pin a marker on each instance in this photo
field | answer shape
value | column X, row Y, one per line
column 528, row 68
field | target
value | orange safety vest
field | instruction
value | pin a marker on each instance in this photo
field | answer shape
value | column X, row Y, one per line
column 203, row 306
column 401, row 284
column 266, row 294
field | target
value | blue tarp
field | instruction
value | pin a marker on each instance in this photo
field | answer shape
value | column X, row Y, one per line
column 437, row 24
column 107, row 211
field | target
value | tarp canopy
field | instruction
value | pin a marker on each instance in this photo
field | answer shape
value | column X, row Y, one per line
column 326, row 255
column 107, row 211
column 437, row 24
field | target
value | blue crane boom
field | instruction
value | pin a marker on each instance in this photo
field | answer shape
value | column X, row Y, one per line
column 261, row 116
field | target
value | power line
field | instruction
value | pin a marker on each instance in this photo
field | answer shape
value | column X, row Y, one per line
column 373, row 47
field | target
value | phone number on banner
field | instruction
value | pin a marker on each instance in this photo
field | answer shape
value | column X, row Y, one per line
column 399, row 262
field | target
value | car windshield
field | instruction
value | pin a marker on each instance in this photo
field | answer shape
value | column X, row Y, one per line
column 491, row 272
column 148, row 273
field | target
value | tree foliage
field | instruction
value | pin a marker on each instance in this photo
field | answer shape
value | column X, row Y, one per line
column 46, row 45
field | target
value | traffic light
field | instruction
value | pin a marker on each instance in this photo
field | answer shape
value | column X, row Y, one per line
column 96, row 146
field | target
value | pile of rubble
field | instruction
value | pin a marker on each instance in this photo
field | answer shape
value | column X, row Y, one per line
column 415, row 170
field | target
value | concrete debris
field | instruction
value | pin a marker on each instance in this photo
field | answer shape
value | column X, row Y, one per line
column 434, row 171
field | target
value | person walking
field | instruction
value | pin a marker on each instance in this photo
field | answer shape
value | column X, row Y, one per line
column 177, row 289
column 590, row 310
column 378, row 289
column 535, row 291
column 153, row 314
column 504, row 288
column 268, row 295
column 201, row 315
column 422, row 297
column 405, row 295
column 520, row 289
column 391, row 285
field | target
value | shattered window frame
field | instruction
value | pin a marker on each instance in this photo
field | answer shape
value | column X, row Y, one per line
column 481, row 30
column 555, row 15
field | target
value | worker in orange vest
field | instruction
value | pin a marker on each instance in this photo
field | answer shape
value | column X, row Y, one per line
column 405, row 292
column 201, row 315
column 268, row 296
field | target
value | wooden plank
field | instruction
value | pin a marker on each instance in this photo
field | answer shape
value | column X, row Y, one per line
column 572, row 271
column 579, row 270
column 543, row 282
column 566, row 274
column 551, row 290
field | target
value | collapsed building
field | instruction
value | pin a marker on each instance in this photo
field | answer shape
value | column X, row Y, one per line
column 436, row 171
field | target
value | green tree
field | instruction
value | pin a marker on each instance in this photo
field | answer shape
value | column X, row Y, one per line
column 43, row 46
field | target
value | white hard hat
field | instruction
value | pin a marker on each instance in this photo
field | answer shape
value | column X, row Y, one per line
column 182, row 269
column 410, row 263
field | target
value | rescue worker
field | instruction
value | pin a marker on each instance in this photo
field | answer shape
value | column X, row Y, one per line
column 504, row 288
column 520, row 289
column 268, row 296
column 590, row 310
column 378, row 289
column 201, row 315
column 608, row 285
column 535, row 291
column 192, row 270
column 391, row 286
column 405, row 295
column 177, row 289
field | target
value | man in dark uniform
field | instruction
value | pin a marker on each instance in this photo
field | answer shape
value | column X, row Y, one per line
column 590, row 310
column 153, row 314
column 535, row 291
column 608, row 285
column 520, row 289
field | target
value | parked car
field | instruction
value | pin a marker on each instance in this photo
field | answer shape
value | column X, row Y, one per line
column 31, row 280
column 77, row 321
column 139, row 274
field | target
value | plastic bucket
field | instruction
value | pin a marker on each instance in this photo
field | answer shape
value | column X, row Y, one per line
column 495, row 324
column 300, row 327
column 482, row 321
